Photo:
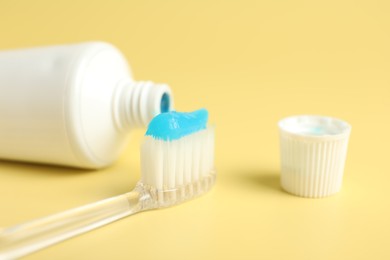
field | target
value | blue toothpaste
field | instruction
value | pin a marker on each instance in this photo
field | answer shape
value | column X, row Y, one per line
column 175, row 125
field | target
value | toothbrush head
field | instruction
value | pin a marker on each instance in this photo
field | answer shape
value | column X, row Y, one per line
column 177, row 157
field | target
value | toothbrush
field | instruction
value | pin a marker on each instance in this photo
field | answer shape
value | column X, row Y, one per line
column 177, row 164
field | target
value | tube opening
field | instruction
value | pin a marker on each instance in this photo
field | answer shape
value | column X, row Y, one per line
column 165, row 103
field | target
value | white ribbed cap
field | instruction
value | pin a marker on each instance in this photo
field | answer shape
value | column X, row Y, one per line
column 313, row 151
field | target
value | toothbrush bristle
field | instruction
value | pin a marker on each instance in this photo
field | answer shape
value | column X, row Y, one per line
column 179, row 169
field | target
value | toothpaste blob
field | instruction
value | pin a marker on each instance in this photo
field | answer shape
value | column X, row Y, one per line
column 175, row 125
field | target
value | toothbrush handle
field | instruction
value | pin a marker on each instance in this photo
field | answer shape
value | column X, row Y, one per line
column 31, row 236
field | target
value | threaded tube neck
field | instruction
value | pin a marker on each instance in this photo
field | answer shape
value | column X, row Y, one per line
column 137, row 102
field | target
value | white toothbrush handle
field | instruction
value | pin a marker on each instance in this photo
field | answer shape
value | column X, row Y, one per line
column 26, row 238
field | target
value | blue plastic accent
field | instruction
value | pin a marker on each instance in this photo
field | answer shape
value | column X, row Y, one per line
column 175, row 125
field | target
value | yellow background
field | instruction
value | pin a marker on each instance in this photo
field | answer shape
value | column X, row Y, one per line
column 250, row 63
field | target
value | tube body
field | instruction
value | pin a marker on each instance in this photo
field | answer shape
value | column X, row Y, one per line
column 57, row 104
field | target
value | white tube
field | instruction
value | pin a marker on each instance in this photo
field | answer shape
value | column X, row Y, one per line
column 72, row 105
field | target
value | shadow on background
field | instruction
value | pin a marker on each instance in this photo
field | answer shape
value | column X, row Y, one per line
column 40, row 170
column 118, row 178
column 259, row 179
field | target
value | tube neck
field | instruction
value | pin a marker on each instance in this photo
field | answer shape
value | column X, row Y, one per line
column 137, row 102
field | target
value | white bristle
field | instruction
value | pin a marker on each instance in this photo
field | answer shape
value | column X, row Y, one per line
column 178, row 166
